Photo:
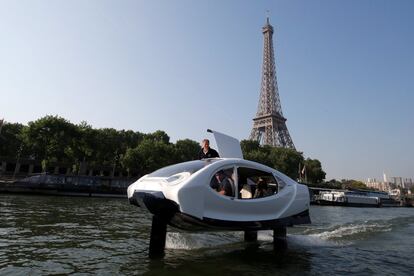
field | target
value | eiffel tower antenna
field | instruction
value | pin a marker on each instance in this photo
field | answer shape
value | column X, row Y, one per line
column 269, row 125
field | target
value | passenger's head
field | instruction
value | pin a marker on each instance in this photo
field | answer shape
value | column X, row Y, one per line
column 205, row 144
column 220, row 175
column 261, row 184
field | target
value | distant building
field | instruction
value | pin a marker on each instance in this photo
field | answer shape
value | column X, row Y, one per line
column 400, row 182
column 408, row 183
column 381, row 186
column 395, row 182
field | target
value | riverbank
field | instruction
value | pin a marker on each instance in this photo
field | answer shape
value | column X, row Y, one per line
column 357, row 198
column 86, row 186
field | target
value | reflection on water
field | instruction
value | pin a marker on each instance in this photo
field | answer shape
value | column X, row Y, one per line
column 63, row 235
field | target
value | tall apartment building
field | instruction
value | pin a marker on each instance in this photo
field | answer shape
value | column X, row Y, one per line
column 390, row 183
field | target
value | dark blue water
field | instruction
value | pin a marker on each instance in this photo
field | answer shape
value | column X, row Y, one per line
column 41, row 235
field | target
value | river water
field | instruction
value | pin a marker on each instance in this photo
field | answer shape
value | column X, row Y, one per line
column 41, row 235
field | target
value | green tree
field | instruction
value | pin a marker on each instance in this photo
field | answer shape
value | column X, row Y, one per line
column 286, row 161
column 254, row 152
column 314, row 172
column 332, row 184
column 186, row 150
column 11, row 140
column 132, row 159
column 248, row 146
column 129, row 139
column 85, row 147
column 108, row 143
column 353, row 184
column 259, row 156
column 155, row 155
column 159, row 136
column 149, row 156
column 51, row 138
column 283, row 159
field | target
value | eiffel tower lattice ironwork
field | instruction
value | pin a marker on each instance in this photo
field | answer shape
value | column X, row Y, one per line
column 269, row 125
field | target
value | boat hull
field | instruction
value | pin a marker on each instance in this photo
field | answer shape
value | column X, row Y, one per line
column 156, row 204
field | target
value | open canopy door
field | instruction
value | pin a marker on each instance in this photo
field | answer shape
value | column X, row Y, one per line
column 227, row 146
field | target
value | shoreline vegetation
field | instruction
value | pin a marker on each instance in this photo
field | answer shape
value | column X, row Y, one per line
column 54, row 145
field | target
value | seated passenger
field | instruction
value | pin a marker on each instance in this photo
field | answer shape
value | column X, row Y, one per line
column 246, row 191
column 225, row 185
column 214, row 184
column 262, row 189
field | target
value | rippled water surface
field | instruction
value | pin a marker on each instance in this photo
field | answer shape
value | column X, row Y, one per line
column 65, row 235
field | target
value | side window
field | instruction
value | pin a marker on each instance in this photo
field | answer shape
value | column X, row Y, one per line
column 280, row 182
column 254, row 183
column 223, row 182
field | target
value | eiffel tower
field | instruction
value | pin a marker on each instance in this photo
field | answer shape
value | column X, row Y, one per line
column 269, row 125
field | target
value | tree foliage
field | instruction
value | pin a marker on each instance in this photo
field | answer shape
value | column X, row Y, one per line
column 314, row 172
column 332, row 184
column 186, row 150
column 285, row 160
column 55, row 139
column 51, row 138
column 353, row 184
column 11, row 140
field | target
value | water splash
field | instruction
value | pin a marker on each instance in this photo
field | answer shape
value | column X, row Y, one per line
column 177, row 240
column 187, row 241
column 353, row 231
column 311, row 241
column 309, row 236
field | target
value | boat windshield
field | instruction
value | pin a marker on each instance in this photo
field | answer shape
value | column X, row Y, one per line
column 190, row 167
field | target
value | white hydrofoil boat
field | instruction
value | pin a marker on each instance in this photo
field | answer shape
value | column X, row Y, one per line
column 185, row 196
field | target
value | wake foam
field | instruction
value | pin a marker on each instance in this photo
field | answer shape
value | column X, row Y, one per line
column 310, row 241
column 297, row 239
column 339, row 235
column 187, row 241
column 353, row 231
column 322, row 236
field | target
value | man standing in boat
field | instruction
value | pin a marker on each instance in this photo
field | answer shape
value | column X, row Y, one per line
column 206, row 151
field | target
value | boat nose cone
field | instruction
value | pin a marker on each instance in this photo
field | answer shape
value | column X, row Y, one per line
column 155, row 202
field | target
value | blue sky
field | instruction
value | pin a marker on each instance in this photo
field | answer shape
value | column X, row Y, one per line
column 345, row 71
